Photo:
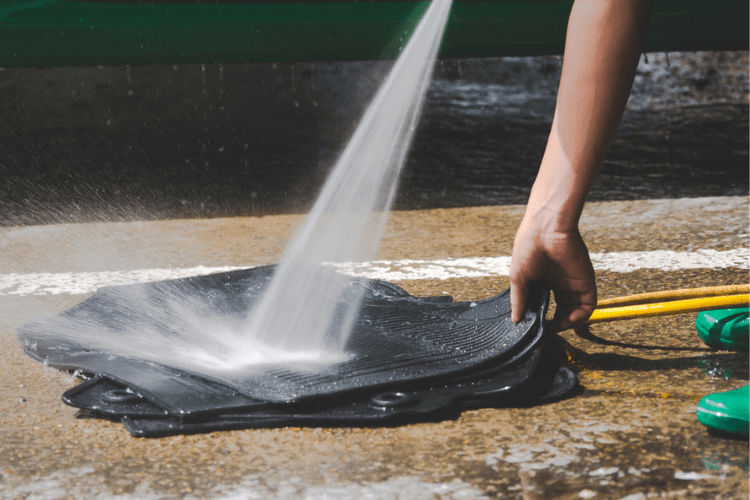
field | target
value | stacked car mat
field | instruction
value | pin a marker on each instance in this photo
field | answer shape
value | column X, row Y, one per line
column 407, row 359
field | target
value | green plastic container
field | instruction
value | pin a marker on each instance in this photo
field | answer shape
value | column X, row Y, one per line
column 725, row 328
column 726, row 411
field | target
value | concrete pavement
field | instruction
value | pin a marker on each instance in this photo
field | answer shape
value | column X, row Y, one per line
column 631, row 434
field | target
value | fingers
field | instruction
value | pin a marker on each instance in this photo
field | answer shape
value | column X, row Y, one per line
column 519, row 291
column 562, row 261
column 574, row 306
column 527, row 265
column 567, row 317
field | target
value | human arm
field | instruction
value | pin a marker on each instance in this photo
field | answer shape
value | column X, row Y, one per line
column 601, row 55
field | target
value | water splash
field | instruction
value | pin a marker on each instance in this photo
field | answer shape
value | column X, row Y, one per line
column 305, row 313
column 171, row 324
column 298, row 310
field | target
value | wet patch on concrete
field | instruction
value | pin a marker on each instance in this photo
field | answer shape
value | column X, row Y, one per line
column 630, row 433
column 632, row 430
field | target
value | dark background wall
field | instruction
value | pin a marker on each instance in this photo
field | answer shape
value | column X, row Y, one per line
column 144, row 142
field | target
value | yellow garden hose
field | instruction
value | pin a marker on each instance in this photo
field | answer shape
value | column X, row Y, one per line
column 669, row 295
column 671, row 302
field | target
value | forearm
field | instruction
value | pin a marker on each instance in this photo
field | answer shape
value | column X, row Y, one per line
column 601, row 55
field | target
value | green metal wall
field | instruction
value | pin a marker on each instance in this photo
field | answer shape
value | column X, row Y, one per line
column 75, row 32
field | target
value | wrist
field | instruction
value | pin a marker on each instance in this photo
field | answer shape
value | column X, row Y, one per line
column 560, row 189
column 555, row 207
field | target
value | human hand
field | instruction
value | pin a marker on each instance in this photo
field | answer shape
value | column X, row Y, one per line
column 594, row 87
column 559, row 258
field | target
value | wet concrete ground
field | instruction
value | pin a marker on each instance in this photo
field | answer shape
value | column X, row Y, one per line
column 198, row 142
column 631, row 433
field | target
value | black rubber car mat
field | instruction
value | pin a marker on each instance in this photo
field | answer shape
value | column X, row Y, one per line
column 519, row 385
column 186, row 396
column 398, row 341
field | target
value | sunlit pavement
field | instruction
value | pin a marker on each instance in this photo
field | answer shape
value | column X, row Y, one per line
column 631, row 433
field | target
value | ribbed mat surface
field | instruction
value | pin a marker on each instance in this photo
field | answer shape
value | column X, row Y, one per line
column 398, row 340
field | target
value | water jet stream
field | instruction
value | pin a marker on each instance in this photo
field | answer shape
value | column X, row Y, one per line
column 306, row 308
column 306, row 312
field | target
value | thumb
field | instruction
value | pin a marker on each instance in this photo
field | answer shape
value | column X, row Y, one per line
column 519, row 291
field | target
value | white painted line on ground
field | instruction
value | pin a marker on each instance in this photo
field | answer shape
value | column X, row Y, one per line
column 88, row 282
column 397, row 270
column 667, row 260
column 478, row 267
